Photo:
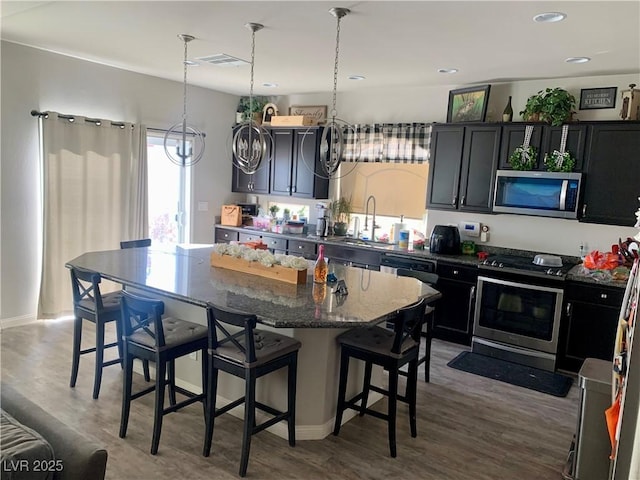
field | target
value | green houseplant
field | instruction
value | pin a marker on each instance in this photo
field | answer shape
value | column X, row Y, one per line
column 341, row 215
column 552, row 105
column 247, row 108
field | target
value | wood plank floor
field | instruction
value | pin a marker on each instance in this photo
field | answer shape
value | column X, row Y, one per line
column 469, row 427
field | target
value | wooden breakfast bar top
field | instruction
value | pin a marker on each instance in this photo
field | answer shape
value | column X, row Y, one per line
column 182, row 277
column 184, row 274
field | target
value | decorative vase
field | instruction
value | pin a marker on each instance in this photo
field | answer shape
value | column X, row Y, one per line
column 340, row 228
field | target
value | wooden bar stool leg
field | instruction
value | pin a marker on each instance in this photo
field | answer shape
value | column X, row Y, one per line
column 161, row 367
column 365, row 387
column 212, row 387
column 99, row 358
column 412, row 382
column 127, row 379
column 171, row 374
column 249, row 418
column 145, row 370
column 77, row 341
column 291, row 399
column 204, row 365
column 119, row 342
column 393, row 404
column 342, row 389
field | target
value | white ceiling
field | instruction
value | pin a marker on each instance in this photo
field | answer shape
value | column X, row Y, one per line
column 393, row 43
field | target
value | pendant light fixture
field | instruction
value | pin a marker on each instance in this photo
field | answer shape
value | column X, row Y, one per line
column 332, row 144
column 191, row 140
column 250, row 138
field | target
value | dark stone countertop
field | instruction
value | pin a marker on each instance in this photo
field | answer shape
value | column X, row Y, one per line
column 185, row 274
column 576, row 274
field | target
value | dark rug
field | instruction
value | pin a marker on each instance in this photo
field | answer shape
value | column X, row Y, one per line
column 513, row 373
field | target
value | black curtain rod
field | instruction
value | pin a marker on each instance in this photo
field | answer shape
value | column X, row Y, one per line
column 95, row 121
column 165, row 130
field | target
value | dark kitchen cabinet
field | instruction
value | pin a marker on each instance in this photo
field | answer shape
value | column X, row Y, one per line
column 463, row 165
column 302, row 248
column 589, row 323
column 225, row 235
column 453, row 315
column 256, row 183
column 296, row 170
column 546, row 139
column 611, row 175
column 275, row 243
column 354, row 257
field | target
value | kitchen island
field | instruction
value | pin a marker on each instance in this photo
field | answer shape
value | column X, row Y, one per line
column 182, row 277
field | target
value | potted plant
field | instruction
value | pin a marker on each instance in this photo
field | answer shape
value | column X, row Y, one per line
column 341, row 215
column 274, row 209
column 552, row 105
column 249, row 107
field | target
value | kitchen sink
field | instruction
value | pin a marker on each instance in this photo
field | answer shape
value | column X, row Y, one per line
column 365, row 243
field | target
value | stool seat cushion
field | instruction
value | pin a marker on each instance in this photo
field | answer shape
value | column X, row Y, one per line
column 176, row 332
column 269, row 345
column 375, row 339
column 110, row 302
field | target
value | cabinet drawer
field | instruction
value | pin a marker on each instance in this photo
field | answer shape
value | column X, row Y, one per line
column 224, row 235
column 275, row 243
column 599, row 295
column 456, row 272
column 249, row 237
column 302, row 248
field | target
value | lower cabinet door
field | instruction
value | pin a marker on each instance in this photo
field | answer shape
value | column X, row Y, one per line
column 453, row 315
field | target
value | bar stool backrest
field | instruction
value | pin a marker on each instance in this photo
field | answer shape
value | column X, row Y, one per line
column 143, row 242
column 142, row 316
column 218, row 320
column 407, row 324
column 85, row 285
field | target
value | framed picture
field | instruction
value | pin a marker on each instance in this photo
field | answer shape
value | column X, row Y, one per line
column 269, row 110
column 468, row 104
column 318, row 112
column 593, row 98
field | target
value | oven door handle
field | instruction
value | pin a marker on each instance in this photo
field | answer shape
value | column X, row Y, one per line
column 472, row 298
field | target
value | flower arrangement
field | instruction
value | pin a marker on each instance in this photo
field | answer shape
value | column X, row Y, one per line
column 264, row 257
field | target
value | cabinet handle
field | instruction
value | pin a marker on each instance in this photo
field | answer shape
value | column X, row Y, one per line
column 464, row 200
column 300, row 246
column 603, row 295
column 584, row 209
column 288, row 189
column 456, row 272
column 455, row 200
column 295, row 189
column 568, row 309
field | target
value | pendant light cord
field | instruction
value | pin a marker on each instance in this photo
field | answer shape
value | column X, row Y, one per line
column 334, row 112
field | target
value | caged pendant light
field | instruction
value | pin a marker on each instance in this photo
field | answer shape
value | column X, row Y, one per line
column 250, row 138
column 332, row 144
column 191, row 145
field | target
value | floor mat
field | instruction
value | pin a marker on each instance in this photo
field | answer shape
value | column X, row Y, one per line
column 513, row 373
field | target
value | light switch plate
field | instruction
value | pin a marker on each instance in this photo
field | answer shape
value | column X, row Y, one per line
column 203, row 206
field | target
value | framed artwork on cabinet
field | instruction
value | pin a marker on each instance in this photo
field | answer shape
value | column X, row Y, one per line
column 468, row 104
column 594, row 98
column 318, row 112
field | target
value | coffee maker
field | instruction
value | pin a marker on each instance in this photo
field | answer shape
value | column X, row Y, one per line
column 322, row 223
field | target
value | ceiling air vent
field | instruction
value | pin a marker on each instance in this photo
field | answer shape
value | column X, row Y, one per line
column 223, row 60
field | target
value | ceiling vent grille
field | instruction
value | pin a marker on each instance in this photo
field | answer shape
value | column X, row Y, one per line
column 223, row 60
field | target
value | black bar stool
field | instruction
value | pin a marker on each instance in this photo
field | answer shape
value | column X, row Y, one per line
column 391, row 350
column 149, row 336
column 91, row 305
column 143, row 242
column 249, row 354
column 430, row 279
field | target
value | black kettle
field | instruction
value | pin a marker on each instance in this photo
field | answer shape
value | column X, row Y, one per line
column 445, row 239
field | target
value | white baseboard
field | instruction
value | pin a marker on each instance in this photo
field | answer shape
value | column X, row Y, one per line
column 17, row 321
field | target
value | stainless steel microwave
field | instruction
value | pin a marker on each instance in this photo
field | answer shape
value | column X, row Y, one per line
column 544, row 194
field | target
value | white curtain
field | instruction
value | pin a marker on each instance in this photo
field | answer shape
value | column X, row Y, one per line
column 94, row 196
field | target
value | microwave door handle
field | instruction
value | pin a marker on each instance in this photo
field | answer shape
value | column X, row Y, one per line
column 563, row 195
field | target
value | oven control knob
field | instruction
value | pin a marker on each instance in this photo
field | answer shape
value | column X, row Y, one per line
column 501, row 265
column 494, row 263
column 559, row 273
column 550, row 271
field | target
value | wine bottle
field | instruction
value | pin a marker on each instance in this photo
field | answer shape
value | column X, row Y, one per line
column 321, row 268
column 507, row 115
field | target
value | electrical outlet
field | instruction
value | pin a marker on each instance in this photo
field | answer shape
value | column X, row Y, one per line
column 193, row 356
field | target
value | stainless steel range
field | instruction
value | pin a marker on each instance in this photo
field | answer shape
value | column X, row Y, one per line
column 518, row 308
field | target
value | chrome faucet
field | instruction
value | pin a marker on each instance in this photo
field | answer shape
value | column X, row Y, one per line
column 373, row 217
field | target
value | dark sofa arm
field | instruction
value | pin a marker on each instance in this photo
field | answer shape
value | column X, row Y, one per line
column 81, row 457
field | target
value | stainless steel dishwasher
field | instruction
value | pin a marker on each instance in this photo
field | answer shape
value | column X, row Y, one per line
column 390, row 262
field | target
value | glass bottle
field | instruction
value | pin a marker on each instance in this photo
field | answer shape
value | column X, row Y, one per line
column 321, row 268
column 507, row 115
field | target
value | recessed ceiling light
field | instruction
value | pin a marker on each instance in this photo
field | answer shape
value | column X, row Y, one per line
column 577, row 60
column 270, row 85
column 549, row 17
column 447, row 70
column 357, row 77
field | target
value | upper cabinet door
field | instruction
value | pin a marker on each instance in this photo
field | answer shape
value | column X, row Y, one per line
column 479, row 161
column 256, row 183
column 281, row 162
column 611, row 175
column 304, row 164
column 576, row 142
column 513, row 137
column 444, row 168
